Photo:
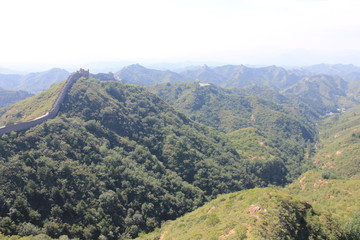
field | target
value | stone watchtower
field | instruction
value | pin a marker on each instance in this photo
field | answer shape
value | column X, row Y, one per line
column 84, row 73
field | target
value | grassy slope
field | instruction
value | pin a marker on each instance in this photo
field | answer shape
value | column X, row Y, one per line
column 30, row 108
column 339, row 149
column 331, row 195
column 326, row 207
column 252, row 143
column 340, row 197
column 252, row 214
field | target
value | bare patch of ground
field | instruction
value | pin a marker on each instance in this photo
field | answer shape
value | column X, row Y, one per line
column 339, row 152
column 328, row 165
column 319, row 183
column 211, row 209
column 162, row 236
column 229, row 233
column 253, row 209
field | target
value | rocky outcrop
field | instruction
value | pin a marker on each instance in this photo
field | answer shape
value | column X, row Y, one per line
column 54, row 109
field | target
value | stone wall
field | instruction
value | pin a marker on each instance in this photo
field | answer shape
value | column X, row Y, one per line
column 54, row 109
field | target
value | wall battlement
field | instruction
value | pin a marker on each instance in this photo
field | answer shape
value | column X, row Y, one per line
column 54, row 109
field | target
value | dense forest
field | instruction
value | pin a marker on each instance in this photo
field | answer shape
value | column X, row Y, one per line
column 120, row 160
column 265, row 129
column 115, row 162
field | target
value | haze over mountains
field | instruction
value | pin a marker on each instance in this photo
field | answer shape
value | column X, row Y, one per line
column 121, row 159
column 225, row 76
column 8, row 97
column 33, row 82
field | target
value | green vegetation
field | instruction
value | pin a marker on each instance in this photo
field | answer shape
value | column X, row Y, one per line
column 252, row 214
column 321, row 204
column 275, row 127
column 116, row 162
column 8, row 97
column 338, row 151
column 30, row 108
column 35, row 237
column 323, row 93
column 340, row 198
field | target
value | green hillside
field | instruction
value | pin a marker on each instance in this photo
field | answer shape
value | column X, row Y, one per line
column 115, row 162
column 338, row 152
column 313, row 207
column 8, row 97
column 324, row 93
column 118, row 161
column 241, row 76
column 252, row 214
column 354, row 90
column 30, row 108
column 339, row 197
column 284, row 134
column 323, row 203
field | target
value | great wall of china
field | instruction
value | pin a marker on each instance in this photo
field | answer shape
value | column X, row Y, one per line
column 54, row 109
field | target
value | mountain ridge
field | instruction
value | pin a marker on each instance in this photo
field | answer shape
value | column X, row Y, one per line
column 116, row 161
column 33, row 82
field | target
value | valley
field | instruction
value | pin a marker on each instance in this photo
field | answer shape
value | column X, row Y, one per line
column 227, row 152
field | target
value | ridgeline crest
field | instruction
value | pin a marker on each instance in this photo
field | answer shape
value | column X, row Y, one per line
column 19, row 126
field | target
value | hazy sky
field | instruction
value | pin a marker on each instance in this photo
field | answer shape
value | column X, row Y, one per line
column 266, row 32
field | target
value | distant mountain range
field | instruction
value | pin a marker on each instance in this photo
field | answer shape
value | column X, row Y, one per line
column 225, row 76
column 137, row 74
column 33, row 82
column 324, row 93
column 277, row 78
column 332, row 69
column 317, row 84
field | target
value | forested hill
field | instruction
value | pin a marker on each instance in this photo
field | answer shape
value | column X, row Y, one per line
column 116, row 161
column 271, row 131
column 323, row 92
column 323, row 203
column 8, row 97
column 121, row 159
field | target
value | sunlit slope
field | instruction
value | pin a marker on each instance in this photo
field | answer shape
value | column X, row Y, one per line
column 338, row 151
column 252, row 214
column 341, row 197
column 32, row 107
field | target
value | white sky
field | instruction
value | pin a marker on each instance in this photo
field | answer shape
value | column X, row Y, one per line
column 282, row 32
